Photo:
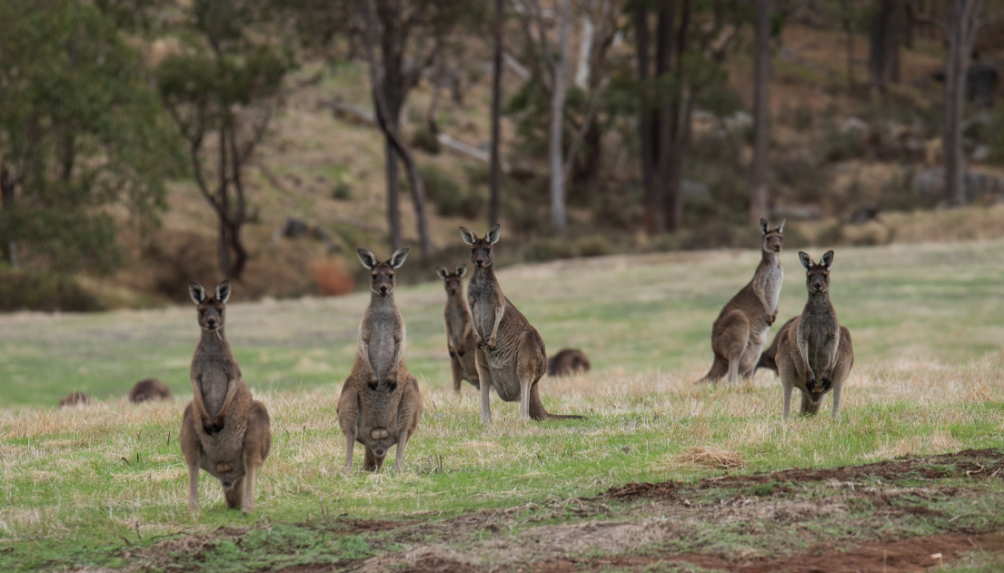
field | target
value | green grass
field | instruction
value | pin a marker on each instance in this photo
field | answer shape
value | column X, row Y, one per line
column 85, row 486
column 642, row 314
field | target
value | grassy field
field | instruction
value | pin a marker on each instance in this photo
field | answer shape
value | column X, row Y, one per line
column 103, row 487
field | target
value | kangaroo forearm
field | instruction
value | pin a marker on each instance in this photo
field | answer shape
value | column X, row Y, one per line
column 364, row 353
column 231, row 392
column 200, row 407
column 499, row 313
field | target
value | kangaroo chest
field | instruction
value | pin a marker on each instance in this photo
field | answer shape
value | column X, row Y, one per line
column 384, row 324
column 772, row 279
column 215, row 369
column 456, row 319
column 820, row 332
column 482, row 299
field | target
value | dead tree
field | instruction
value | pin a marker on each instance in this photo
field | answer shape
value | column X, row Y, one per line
column 883, row 52
column 761, row 113
column 961, row 26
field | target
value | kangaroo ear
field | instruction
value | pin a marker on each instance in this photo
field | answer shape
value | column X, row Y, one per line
column 397, row 259
column 763, row 226
column 462, row 270
column 223, row 291
column 780, row 228
column 441, row 272
column 369, row 259
column 196, row 291
column 494, row 234
column 468, row 236
column 805, row 260
column 828, row 259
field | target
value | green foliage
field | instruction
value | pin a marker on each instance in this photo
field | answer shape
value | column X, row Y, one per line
column 449, row 196
column 80, row 129
column 34, row 290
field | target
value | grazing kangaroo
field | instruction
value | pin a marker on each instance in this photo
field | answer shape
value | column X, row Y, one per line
column 768, row 359
column 459, row 331
column 149, row 389
column 75, row 399
column 223, row 430
column 815, row 353
column 510, row 353
column 380, row 403
column 567, row 362
column 741, row 329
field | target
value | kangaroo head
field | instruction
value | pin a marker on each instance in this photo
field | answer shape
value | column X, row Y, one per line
column 382, row 274
column 213, row 308
column 481, row 251
column 817, row 275
column 772, row 238
column 454, row 281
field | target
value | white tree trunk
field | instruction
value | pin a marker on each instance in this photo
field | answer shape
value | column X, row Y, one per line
column 585, row 49
column 558, row 216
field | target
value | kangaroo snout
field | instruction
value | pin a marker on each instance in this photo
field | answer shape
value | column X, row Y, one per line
column 383, row 289
column 817, row 286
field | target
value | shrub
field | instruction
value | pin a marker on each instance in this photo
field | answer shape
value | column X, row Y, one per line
column 342, row 191
column 595, row 246
column 32, row 290
column 450, row 198
column 540, row 250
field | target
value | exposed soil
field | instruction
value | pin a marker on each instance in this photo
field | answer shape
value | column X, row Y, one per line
column 572, row 535
column 975, row 464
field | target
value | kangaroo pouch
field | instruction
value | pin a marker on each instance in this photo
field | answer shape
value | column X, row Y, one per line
column 222, row 454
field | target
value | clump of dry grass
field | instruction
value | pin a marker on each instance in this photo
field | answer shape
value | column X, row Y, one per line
column 710, row 456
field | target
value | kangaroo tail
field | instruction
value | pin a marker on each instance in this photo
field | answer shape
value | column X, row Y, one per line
column 537, row 411
column 718, row 371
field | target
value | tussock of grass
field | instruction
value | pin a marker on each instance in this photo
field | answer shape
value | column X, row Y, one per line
column 711, row 457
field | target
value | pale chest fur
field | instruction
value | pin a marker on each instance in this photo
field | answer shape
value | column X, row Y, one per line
column 820, row 333
column 457, row 317
column 214, row 366
column 772, row 280
column 482, row 297
column 381, row 326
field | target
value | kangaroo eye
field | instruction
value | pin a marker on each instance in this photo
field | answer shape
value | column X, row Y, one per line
column 487, row 251
column 391, row 275
column 202, row 312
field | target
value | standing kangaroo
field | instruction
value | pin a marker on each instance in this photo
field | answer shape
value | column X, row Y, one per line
column 380, row 403
column 510, row 353
column 741, row 329
column 459, row 331
column 815, row 353
column 223, row 430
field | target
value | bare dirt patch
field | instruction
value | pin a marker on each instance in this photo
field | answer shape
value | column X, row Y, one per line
column 975, row 464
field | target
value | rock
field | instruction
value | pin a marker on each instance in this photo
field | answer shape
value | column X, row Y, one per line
column 738, row 122
column 294, row 227
column 981, row 154
column 854, row 125
column 695, row 190
column 931, row 183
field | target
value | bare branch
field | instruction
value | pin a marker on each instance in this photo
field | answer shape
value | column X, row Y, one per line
column 580, row 135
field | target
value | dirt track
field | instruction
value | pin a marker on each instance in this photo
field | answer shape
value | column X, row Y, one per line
column 641, row 526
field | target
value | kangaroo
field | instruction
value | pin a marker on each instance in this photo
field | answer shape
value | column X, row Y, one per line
column 510, row 354
column 768, row 360
column 459, row 331
column 149, row 389
column 740, row 331
column 75, row 399
column 815, row 353
column 223, row 430
column 380, row 404
column 567, row 362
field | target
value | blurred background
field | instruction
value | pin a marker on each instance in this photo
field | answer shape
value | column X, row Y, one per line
column 146, row 143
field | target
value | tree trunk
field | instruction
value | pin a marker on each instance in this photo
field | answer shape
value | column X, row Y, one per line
column 556, row 158
column 496, row 163
column 761, row 114
column 585, row 48
column 962, row 28
column 645, row 138
column 883, row 53
column 393, row 195
column 849, row 30
column 7, row 185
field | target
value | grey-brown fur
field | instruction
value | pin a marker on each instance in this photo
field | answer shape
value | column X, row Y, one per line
column 567, row 362
column 510, row 353
column 815, row 354
column 380, row 404
column 75, row 399
column 223, row 430
column 460, row 339
column 149, row 389
column 768, row 359
column 740, row 331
